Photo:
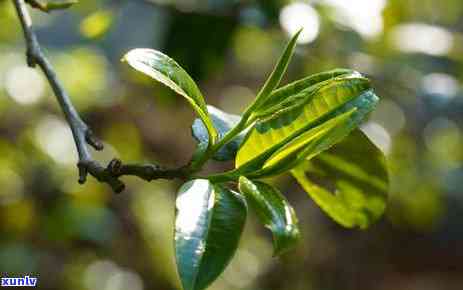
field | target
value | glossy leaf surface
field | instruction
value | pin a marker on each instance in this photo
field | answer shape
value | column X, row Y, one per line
column 302, row 113
column 165, row 70
column 209, row 222
column 274, row 211
column 294, row 88
column 223, row 122
column 349, row 181
column 329, row 133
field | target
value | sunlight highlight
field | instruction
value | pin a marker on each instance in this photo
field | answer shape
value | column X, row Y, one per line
column 422, row 38
column 363, row 16
column 443, row 85
column 192, row 197
column 378, row 135
column 54, row 138
column 300, row 15
column 24, row 85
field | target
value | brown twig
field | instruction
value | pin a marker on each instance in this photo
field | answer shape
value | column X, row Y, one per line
column 147, row 172
column 82, row 134
column 49, row 6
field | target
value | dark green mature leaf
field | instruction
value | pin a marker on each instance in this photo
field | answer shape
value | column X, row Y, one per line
column 286, row 134
column 349, row 181
column 223, row 122
column 209, row 222
column 275, row 77
column 274, row 211
column 165, row 70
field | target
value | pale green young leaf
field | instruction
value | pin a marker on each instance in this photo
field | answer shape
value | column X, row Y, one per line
column 308, row 110
column 224, row 122
column 208, row 225
column 165, row 70
column 349, row 181
column 309, row 143
column 275, row 77
column 307, row 146
column 281, row 94
column 274, row 211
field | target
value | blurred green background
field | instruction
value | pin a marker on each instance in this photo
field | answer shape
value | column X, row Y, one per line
column 85, row 237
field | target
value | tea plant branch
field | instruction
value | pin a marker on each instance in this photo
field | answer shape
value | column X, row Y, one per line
column 147, row 172
column 47, row 7
column 81, row 132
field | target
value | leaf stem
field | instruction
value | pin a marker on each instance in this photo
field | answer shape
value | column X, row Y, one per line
column 223, row 177
column 231, row 134
column 212, row 150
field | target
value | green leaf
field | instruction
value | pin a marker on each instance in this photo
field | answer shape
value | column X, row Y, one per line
column 294, row 88
column 309, row 145
column 223, row 122
column 349, row 181
column 292, row 128
column 165, row 70
column 49, row 5
column 275, row 77
column 274, row 211
column 209, row 222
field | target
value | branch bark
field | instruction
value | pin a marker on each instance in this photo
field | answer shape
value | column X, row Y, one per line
column 82, row 134
column 147, row 172
column 45, row 6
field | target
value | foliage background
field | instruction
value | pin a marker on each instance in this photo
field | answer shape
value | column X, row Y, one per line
column 85, row 237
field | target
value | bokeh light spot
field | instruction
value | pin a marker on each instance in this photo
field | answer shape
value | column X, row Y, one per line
column 379, row 135
column 300, row 15
column 24, row 85
column 54, row 138
column 390, row 116
column 422, row 38
column 442, row 85
column 363, row 16
column 107, row 275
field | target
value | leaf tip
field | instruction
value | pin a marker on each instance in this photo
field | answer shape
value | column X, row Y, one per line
column 297, row 34
column 126, row 56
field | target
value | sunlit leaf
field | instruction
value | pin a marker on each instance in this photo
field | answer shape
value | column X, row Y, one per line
column 209, row 222
column 223, row 122
column 331, row 132
column 165, row 70
column 274, row 211
column 349, row 181
column 275, row 77
column 283, row 93
column 291, row 128
column 308, row 144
